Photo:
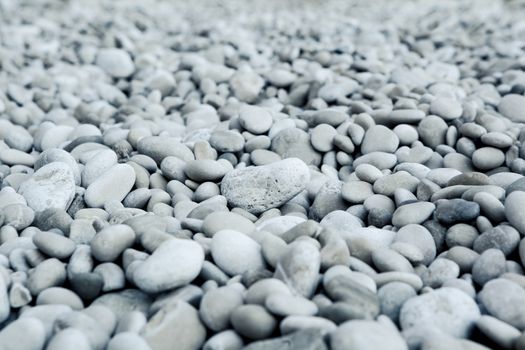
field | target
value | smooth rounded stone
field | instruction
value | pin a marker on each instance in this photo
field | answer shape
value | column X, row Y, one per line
column 137, row 198
column 177, row 323
column 246, row 85
column 456, row 210
column 105, row 188
column 26, row 333
column 217, row 305
column 504, row 300
column 490, row 206
column 69, row 338
column 253, row 322
column 58, row 155
column 406, row 134
column 54, row 245
column 87, row 285
column 49, row 273
column 471, row 178
column 516, row 185
column 503, row 237
column 18, row 216
column 409, row 251
column 412, row 213
column 236, row 253
column 366, row 335
column 224, row 340
column 489, row 265
column 379, row 139
column 402, row 116
column 299, row 267
column 486, row 158
column 354, row 300
column 160, row 147
column 497, row 139
column 322, row 137
column 11, row 156
column 511, row 107
column 380, row 160
column 356, row 191
column 111, row 241
column 418, row 154
column 92, row 328
column 173, row 168
column 19, row 138
column 292, row 324
column 226, row 141
column 440, row 271
column 279, row 225
column 257, row 189
column 207, row 170
column 388, row 184
column 112, row 276
column 258, row 292
column 174, row 263
column 340, row 220
column 392, row 296
column 115, row 62
column 327, row 199
column 432, row 131
column 293, row 142
column 264, row 157
column 59, row 295
column 420, row 237
column 461, row 235
column 219, row 221
column 357, row 277
column 127, row 340
column 386, row 259
column 514, row 204
column 447, row 309
column 51, row 186
column 368, row 173
column 462, row 256
column 287, row 305
column 254, row 119
column 499, row 332
column 446, row 108
column 363, row 241
column 123, row 302
column 101, row 162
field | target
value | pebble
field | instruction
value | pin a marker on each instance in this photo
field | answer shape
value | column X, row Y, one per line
column 503, row 299
column 54, row 245
column 115, row 62
column 253, row 322
column 412, row 213
column 26, row 333
column 105, row 189
column 127, row 340
column 510, row 106
column 487, row 158
column 51, row 186
column 257, row 189
column 447, row 309
column 446, row 108
column 175, row 262
column 177, row 323
column 499, row 332
column 111, row 241
column 489, row 265
column 286, row 305
column 379, row 139
column 392, row 296
column 217, row 305
column 456, row 210
column 513, row 210
column 236, row 253
column 365, row 334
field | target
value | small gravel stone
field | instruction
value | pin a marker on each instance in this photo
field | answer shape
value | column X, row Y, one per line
column 174, row 263
column 52, row 186
column 258, row 189
column 504, row 300
column 111, row 241
column 105, row 188
column 25, row 333
column 511, row 105
column 253, row 321
column 499, row 332
column 115, row 62
column 379, row 139
column 236, row 253
column 54, row 245
column 364, row 334
column 447, row 309
column 255, row 119
column 513, row 210
column 456, row 210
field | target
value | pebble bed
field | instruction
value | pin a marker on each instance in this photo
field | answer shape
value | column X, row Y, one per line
column 262, row 175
